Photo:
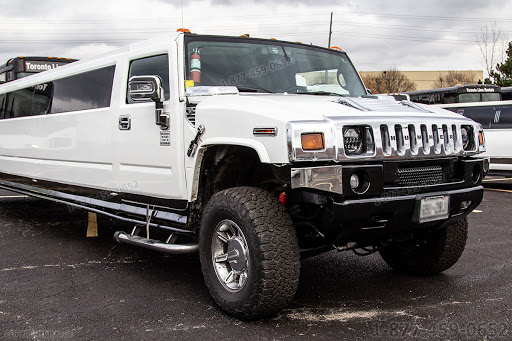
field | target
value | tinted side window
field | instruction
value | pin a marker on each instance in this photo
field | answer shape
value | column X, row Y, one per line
column 152, row 66
column 89, row 90
column 482, row 115
column 502, row 117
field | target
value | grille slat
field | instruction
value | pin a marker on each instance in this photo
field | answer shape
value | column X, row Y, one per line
column 420, row 176
column 191, row 115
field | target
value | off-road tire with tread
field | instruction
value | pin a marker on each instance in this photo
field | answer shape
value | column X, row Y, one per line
column 274, row 261
column 436, row 252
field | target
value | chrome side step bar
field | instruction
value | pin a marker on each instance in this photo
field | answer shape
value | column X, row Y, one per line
column 156, row 245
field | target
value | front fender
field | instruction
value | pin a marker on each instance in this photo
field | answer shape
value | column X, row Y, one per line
column 258, row 146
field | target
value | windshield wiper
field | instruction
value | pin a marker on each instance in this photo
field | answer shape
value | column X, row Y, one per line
column 325, row 93
column 243, row 88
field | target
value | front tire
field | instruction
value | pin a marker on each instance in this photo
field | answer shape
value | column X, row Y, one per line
column 249, row 252
column 434, row 253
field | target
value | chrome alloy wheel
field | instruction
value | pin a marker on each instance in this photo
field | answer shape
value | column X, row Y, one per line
column 230, row 255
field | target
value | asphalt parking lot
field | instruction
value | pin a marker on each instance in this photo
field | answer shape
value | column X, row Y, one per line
column 58, row 284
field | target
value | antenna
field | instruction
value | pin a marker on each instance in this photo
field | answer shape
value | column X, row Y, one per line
column 330, row 32
column 182, row 13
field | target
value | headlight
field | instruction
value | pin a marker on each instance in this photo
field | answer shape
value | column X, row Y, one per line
column 467, row 137
column 358, row 140
column 353, row 140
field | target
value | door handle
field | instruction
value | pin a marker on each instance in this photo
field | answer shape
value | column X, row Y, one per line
column 125, row 122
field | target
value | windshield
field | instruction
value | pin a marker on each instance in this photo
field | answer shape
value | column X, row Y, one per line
column 23, row 74
column 479, row 97
column 266, row 66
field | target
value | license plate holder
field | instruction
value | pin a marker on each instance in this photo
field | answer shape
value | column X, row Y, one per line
column 432, row 208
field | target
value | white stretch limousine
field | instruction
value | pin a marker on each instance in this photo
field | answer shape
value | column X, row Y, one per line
column 210, row 143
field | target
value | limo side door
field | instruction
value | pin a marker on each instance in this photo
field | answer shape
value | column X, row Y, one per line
column 148, row 161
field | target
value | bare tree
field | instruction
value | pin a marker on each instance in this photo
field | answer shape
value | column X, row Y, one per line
column 370, row 82
column 492, row 42
column 389, row 81
column 456, row 77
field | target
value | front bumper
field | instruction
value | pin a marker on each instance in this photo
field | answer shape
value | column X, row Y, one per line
column 363, row 220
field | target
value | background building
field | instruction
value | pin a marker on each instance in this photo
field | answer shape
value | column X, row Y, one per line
column 427, row 79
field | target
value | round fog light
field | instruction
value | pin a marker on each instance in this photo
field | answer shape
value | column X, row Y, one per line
column 476, row 177
column 359, row 182
column 354, row 181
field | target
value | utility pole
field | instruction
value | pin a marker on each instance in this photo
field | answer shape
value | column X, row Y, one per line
column 330, row 32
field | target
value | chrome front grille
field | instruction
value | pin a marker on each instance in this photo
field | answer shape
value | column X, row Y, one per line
column 420, row 176
column 420, row 139
column 409, row 137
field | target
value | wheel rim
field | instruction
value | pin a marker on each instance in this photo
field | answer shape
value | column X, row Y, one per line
column 230, row 255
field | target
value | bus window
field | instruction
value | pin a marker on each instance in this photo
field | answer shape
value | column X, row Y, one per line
column 152, row 66
column 506, row 93
column 42, row 99
column 3, row 77
column 425, row 99
column 2, row 105
column 23, row 75
column 19, row 103
column 450, row 98
column 436, row 98
column 490, row 96
column 469, row 97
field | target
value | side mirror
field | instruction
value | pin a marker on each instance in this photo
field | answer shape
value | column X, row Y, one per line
column 145, row 88
column 149, row 88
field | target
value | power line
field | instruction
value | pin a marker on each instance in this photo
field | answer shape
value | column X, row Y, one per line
column 425, row 17
column 171, row 20
column 288, row 14
column 118, row 30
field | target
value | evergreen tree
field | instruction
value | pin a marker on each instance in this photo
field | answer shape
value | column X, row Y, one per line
column 503, row 75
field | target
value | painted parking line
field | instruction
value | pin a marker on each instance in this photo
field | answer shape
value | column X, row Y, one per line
column 492, row 180
column 477, row 211
column 499, row 190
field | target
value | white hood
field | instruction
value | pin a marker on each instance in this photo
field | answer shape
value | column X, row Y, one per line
column 232, row 119
column 296, row 107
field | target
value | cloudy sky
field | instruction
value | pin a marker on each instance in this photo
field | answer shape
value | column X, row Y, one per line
column 378, row 35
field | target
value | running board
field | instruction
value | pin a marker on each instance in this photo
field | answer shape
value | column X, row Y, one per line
column 156, row 245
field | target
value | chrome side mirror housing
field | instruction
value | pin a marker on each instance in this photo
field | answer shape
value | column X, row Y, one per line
column 149, row 88
column 145, row 88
